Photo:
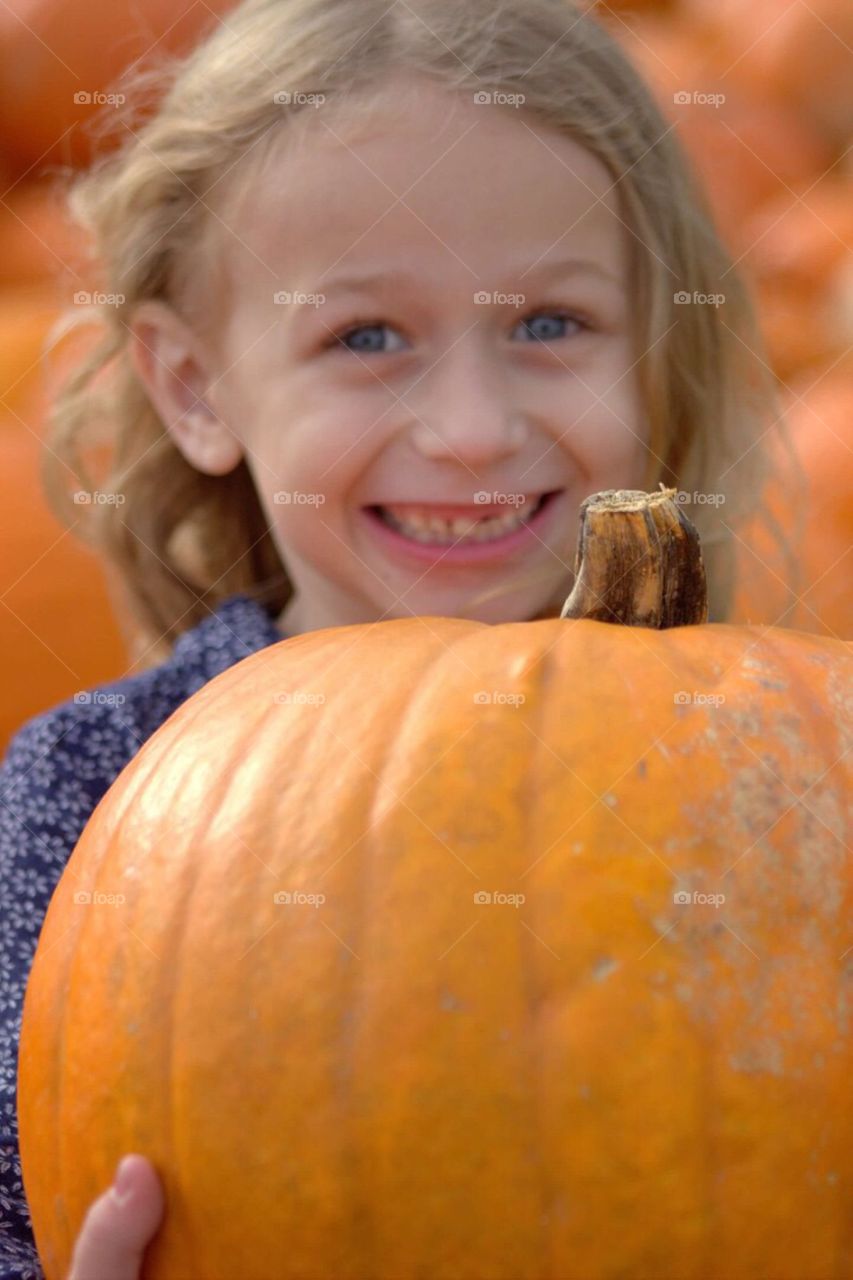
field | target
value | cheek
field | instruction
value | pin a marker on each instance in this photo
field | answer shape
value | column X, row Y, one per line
column 609, row 426
column 608, row 440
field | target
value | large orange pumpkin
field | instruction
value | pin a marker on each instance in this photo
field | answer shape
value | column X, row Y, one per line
column 401, row 950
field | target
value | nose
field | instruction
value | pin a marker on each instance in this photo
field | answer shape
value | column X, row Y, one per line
column 464, row 412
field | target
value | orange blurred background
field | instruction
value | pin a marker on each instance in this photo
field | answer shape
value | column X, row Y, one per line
column 760, row 93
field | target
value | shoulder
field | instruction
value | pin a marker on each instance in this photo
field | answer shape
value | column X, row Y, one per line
column 60, row 763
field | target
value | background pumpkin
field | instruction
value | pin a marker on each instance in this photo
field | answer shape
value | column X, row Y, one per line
column 51, row 52
column 37, row 236
column 402, row 1080
column 796, row 51
column 764, row 147
column 746, row 150
column 811, row 500
column 797, row 254
column 775, row 158
column 59, row 632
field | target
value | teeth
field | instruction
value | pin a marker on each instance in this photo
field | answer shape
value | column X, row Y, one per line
column 435, row 529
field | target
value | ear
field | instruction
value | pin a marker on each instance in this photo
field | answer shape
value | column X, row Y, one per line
column 177, row 373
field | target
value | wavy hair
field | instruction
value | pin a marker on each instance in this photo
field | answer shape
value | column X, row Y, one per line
column 181, row 541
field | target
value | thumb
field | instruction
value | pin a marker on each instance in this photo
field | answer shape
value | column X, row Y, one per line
column 119, row 1225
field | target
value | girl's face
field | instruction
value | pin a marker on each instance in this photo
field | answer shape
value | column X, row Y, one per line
column 427, row 308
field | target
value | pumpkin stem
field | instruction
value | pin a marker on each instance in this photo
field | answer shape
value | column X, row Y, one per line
column 638, row 562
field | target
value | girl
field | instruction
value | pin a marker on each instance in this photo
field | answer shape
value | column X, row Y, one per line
column 387, row 290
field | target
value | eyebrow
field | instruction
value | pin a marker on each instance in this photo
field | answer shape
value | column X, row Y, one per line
column 402, row 278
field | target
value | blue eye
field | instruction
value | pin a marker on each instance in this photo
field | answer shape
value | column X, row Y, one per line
column 372, row 343
column 561, row 317
column 370, row 327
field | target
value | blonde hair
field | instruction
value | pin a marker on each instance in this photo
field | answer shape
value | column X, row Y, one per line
column 182, row 541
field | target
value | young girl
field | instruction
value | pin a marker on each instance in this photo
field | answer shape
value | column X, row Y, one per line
column 398, row 285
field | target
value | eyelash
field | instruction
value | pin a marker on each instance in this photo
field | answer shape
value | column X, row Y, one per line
column 377, row 322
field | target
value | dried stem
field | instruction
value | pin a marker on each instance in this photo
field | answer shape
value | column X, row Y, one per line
column 638, row 562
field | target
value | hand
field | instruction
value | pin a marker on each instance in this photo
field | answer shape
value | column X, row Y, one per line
column 119, row 1225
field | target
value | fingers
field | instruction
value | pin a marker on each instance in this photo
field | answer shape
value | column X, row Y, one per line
column 119, row 1225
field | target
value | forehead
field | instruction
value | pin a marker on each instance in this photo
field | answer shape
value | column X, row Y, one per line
column 427, row 178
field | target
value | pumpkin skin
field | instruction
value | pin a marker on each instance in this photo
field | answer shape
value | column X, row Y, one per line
column 402, row 1082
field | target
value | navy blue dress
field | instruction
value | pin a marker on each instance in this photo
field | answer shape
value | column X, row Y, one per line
column 55, row 770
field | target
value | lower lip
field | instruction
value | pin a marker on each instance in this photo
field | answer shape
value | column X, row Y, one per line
column 465, row 552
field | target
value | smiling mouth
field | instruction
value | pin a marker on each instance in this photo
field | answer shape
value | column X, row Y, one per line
column 419, row 523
